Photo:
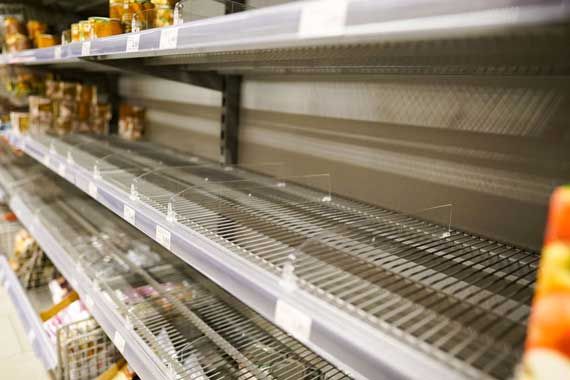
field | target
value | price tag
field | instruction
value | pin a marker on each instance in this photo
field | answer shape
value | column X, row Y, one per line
column 129, row 214
column 31, row 336
column 169, row 38
column 86, row 48
column 163, row 236
column 89, row 303
column 57, row 52
column 323, row 18
column 61, row 169
column 119, row 342
column 133, row 42
column 92, row 189
column 293, row 321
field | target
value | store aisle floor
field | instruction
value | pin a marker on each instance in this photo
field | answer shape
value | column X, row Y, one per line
column 17, row 359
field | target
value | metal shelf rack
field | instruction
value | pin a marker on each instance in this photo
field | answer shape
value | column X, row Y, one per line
column 39, row 340
column 334, row 35
column 167, row 320
column 347, row 279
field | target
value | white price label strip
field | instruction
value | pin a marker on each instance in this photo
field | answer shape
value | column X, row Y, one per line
column 323, row 18
column 129, row 214
column 89, row 303
column 163, row 236
column 169, row 38
column 293, row 321
column 86, row 48
column 119, row 342
column 133, row 42
column 57, row 52
column 93, row 190
column 61, row 169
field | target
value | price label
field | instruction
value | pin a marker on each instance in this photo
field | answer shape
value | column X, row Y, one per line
column 169, row 38
column 119, row 342
column 163, row 236
column 57, row 52
column 86, row 48
column 61, row 169
column 129, row 214
column 323, row 18
column 293, row 321
column 93, row 190
column 133, row 42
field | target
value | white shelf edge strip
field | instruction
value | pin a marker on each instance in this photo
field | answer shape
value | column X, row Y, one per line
column 310, row 23
column 137, row 353
column 30, row 319
column 361, row 350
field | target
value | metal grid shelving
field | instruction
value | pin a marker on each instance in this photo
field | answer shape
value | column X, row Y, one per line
column 448, row 302
column 167, row 320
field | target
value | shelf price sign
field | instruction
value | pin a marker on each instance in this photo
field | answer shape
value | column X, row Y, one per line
column 57, row 52
column 86, row 48
column 169, row 38
column 133, row 42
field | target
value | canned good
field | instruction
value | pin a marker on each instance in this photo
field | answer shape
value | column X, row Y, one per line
column 104, row 27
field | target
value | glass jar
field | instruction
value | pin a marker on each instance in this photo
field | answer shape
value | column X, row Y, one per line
column 163, row 15
column 35, row 28
column 20, row 122
column 117, row 8
column 75, row 32
column 13, row 26
column 84, row 30
column 16, row 42
column 66, row 37
column 104, row 27
column 45, row 40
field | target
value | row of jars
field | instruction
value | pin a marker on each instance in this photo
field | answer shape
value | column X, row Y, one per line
column 18, row 37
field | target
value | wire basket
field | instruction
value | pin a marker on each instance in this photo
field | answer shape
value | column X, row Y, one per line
column 84, row 351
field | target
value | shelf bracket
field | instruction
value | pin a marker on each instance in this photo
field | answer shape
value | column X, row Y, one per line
column 231, row 95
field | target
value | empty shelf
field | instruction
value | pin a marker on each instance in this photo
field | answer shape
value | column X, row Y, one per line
column 167, row 320
column 358, row 279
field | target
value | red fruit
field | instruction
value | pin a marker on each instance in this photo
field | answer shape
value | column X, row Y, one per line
column 558, row 226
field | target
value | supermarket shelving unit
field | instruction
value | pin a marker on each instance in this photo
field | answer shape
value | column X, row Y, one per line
column 349, row 280
column 375, row 292
column 167, row 320
column 39, row 340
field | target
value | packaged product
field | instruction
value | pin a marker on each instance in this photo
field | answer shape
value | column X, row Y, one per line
column 131, row 121
column 35, row 28
column 20, row 122
column 104, row 27
column 547, row 350
column 41, row 113
column 75, row 32
column 45, row 40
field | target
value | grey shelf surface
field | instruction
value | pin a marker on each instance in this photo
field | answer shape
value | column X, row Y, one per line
column 41, row 344
column 168, row 321
column 367, row 281
column 342, row 35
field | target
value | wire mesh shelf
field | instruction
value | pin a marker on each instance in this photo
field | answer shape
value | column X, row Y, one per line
column 460, row 298
column 194, row 329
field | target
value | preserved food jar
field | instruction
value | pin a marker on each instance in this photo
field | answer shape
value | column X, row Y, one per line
column 163, row 15
column 16, row 42
column 13, row 26
column 45, row 40
column 66, row 37
column 35, row 28
column 20, row 122
column 75, row 33
column 104, row 27
column 117, row 8
column 84, row 30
